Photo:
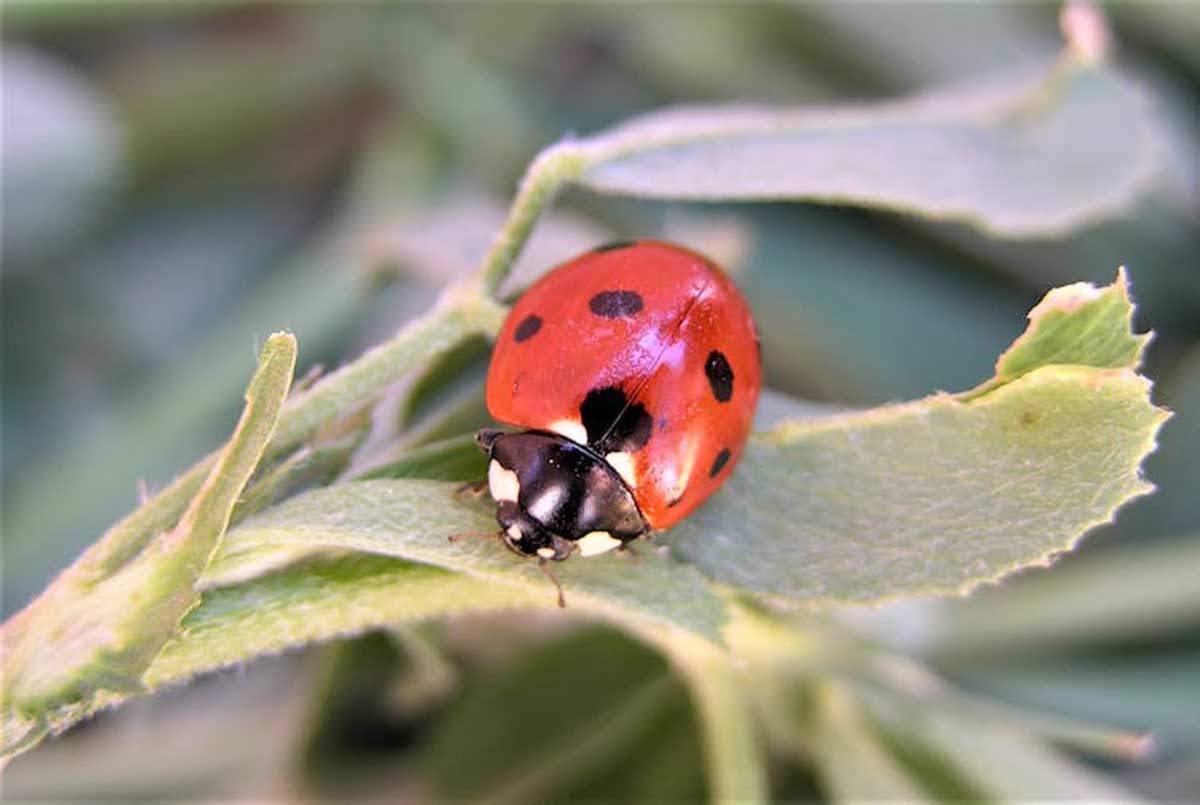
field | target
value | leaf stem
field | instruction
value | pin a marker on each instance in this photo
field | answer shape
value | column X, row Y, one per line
column 736, row 767
column 545, row 176
column 456, row 317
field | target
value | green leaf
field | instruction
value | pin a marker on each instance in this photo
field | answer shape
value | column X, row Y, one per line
column 940, row 495
column 414, row 519
column 855, row 764
column 96, row 629
column 895, row 683
column 455, row 459
column 1004, row 764
column 1144, row 690
column 1033, row 154
column 1077, row 324
column 318, row 599
column 735, row 764
column 985, row 749
column 936, row 496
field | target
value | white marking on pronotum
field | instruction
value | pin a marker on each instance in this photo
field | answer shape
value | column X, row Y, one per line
column 623, row 464
column 596, row 542
column 514, row 533
column 544, row 505
column 575, row 431
column 503, row 484
column 546, row 553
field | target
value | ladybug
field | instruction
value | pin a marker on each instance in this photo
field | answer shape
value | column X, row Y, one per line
column 633, row 372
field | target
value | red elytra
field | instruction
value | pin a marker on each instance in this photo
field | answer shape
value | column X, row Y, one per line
column 648, row 354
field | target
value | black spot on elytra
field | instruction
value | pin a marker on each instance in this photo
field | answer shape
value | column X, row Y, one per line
column 612, row 247
column 719, row 464
column 673, row 502
column 720, row 376
column 528, row 328
column 612, row 425
column 616, row 304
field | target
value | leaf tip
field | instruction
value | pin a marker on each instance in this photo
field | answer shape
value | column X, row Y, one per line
column 1122, row 280
column 1067, row 299
column 279, row 341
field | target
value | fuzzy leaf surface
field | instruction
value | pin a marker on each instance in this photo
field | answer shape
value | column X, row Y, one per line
column 413, row 519
column 1030, row 154
column 320, row 598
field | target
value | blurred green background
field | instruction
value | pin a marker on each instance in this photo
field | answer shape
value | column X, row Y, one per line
column 179, row 180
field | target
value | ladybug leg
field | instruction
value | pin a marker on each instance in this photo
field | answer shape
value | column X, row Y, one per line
column 471, row 489
column 626, row 549
column 563, row 548
column 542, row 561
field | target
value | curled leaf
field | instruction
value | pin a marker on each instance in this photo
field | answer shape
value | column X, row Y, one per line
column 93, row 633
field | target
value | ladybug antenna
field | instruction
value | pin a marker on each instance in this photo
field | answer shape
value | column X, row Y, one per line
column 472, row 535
column 471, row 489
column 562, row 602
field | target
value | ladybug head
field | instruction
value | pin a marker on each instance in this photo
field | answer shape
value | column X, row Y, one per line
column 526, row 536
column 553, row 494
